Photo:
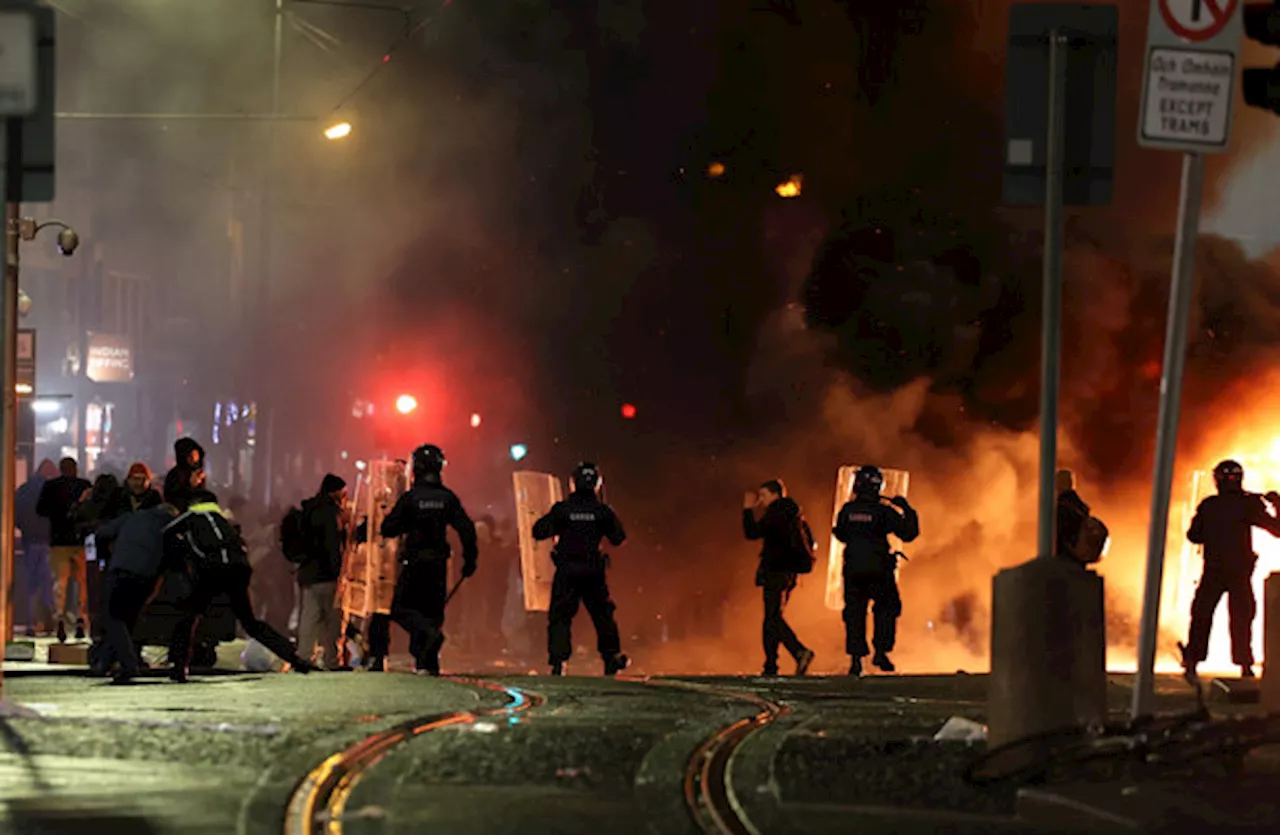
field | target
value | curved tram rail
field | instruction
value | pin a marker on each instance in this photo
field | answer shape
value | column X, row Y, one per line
column 708, row 790
column 318, row 803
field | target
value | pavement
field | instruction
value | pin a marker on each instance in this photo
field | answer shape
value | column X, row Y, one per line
column 359, row 752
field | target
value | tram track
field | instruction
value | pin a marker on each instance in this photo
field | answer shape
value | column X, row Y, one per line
column 319, row 801
column 708, row 778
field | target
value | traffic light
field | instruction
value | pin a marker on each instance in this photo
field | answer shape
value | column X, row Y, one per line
column 1261, row 87
column 406, row 404
column 518, row 451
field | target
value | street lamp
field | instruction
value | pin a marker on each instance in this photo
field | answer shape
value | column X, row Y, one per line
column 340, row 130
column 16, row 228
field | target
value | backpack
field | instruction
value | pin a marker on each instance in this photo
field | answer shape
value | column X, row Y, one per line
column 1090, row 542
column 801, row 556
column 212, row 539
column 293, row 535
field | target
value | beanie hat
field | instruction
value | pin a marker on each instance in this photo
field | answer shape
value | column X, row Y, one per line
column 332, row 484
column 139, row 468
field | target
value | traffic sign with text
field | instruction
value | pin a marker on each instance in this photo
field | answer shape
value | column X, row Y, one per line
column 1189, row 84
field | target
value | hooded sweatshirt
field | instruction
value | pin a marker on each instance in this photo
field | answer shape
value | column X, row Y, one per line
column 177, row 483
column 775, row 527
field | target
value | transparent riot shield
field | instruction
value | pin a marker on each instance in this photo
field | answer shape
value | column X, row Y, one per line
column 535, row 494
column 369, row 568
column 895, row 484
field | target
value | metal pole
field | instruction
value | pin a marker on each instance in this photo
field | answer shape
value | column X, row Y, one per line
column 9, row 430
column 263, row 469
column 1175, row 359
column 1051, row 310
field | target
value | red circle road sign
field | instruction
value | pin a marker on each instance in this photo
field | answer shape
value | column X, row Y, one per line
column 1197, row 20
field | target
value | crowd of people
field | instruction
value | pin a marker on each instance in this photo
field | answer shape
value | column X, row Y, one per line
column 95, row 555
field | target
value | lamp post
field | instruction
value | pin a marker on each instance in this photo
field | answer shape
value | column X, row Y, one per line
column 16, row 229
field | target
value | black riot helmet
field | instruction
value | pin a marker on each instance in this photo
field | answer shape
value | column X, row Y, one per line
column 586, row 478
column 867, row 482
column 428, row 461
column 1229, row 476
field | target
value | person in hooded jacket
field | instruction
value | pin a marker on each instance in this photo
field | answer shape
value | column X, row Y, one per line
column 189, row 456
column 142, row 550
column 870, row 565
column 217, row 564
column 34, row 581
column 421, row 517
column 778, row 527
column 325, row 529
column 578, row 524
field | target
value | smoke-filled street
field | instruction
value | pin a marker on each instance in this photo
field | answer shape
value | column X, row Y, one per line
column 399, row 753
column 725, row 416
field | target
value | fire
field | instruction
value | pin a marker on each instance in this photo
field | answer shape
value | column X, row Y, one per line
column 792, row 187
column 1261, row 459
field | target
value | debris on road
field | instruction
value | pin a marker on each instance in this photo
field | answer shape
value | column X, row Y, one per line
column 959, row 729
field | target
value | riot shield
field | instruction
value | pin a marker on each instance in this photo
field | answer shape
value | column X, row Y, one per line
column 369, row 568
column 535, row 494
column 1184, row 565
column 895, row 484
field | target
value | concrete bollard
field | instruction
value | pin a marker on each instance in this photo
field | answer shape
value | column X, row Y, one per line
column 1271, row 644
column 1048, row 650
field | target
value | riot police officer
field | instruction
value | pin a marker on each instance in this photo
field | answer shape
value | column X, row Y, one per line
column 579, row 523
column 864, row 525
column 1224, row 525
column 422, row 517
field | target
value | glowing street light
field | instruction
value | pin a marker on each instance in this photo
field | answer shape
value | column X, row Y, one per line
column 406, row 404
column 792, row 187
column 341, row 130
column 518, row 451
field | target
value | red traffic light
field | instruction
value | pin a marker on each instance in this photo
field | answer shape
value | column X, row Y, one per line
column 406, row 404
column 628, row 411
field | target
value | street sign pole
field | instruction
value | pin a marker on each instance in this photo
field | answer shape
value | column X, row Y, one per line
column 1189, row 87
column 1175, row 358
column 1051, row 327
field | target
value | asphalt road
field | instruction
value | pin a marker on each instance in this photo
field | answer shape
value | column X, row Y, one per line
column 395, row 753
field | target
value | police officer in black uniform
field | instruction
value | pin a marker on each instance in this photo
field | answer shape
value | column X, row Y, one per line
column 579, row 523
column 1224, row 525
column 422, row 516
column 864, row 525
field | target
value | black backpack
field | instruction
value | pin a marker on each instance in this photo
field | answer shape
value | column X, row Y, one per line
column 293, row 535
column 211, row 539
column 802, row 548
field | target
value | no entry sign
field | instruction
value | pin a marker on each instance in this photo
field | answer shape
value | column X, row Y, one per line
column 1197, row 20
column 1190, row 77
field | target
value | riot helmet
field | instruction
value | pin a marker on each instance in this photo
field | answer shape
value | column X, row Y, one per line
column 586, row 478
column 867, row 482
column 428, row 461
column 1229, row 476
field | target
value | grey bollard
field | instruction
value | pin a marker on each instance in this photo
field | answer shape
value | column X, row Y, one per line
column 1048, row 650
column 1270, row 696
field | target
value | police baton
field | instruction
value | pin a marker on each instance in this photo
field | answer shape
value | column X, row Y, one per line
column 434, row 632
column 454, row 590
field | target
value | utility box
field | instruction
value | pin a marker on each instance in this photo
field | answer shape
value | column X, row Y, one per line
column 1270, row 696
